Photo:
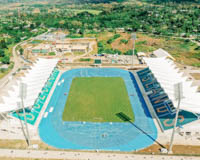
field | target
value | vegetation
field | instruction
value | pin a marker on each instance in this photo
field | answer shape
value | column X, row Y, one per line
column 166, row 19
column 85, row 59
column 124, row 41
column 5, row 60
column 85, row 102
column 52, row 53
column 21, row 51
column 171, row 18
column 102, row 48
column 113, row 38
column 4, row 57
column 71, row 35
column 129, row 52
column 168, row 1
column 36, row 41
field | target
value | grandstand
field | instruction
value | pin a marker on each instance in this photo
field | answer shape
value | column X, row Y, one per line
column 149, row 90
column 33, row 113
column 158, row 84
column 170, row 76
column 39, row 79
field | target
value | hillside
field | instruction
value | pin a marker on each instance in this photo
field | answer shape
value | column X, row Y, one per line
column 61, row 1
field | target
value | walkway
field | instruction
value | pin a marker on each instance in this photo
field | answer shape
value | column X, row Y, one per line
column 87, row 155
column 18, row 62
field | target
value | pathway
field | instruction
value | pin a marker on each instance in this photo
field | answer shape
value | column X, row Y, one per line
column 87, row 155
column 17, row 63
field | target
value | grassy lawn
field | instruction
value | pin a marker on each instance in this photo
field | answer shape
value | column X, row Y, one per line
column 97, row 99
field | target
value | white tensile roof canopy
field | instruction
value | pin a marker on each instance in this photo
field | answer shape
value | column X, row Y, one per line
column 35, row 80
column 168, row 75
column 159, row 53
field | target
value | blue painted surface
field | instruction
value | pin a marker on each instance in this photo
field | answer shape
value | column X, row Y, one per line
column 164, row 108
column 102, row 136
column 32, row 115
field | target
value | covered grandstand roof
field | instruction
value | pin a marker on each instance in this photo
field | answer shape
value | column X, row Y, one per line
column 35, row 78
column 167, row 74
column 159, row 53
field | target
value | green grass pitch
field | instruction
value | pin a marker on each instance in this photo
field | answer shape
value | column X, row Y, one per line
column 97, row 99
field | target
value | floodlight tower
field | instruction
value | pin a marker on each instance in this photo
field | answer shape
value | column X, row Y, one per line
column 133, row 37
column 22, row 95
column 178, row 94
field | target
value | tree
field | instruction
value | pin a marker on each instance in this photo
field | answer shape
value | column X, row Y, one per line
column 21, row 51
column 38, row 23
column 76, row 24
column 2, row 53
column 124, row 41
column 17, row 40
column 6, row 60
column 32, row 26
column 52, row 53
column 3, row 44
column 129, row 52
column 135, row 52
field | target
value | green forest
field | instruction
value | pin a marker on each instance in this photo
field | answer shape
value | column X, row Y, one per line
column 169, row 18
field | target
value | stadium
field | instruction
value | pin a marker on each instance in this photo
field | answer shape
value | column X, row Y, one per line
column 99, row 108
column 103, row 130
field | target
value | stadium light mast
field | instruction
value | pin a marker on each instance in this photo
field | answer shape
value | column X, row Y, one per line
column 133, row 37
column 22, row 95
column 178, row 94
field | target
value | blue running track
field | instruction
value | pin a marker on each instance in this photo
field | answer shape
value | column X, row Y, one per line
column 116, row 136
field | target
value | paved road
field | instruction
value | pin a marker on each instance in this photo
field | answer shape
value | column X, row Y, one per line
column 86, row 155
column 17, row 63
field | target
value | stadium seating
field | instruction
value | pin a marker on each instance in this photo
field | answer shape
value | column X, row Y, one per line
column 160, row 101
column 157, row 96
column 33, row 113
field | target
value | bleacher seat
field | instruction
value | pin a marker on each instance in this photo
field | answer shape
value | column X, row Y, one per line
column 157, row 96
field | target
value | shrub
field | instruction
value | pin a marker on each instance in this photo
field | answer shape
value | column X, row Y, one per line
column 5, row 60
column 116, row 36
column 113, row 38
column 197, row 48
column 124, row 41
column 85, row 59
column 52, row 53
column 100, row 44
column 129, row 52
